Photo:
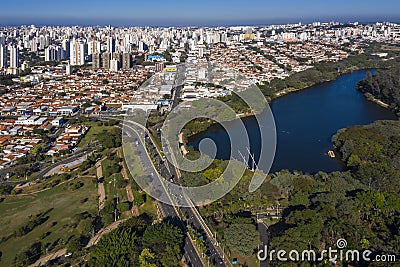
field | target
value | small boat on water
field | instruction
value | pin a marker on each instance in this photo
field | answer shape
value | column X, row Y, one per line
column 331, row 154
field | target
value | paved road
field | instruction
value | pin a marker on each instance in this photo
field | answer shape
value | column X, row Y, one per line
column 166, row 169
column 61, row 162
column 168, row 211
column 193, row 217
column 217, row 256
column 263, row 229
column 178, row 86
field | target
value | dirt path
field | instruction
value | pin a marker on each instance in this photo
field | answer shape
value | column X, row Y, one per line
column 30, row 194
column 129, row 193
column 100, row 186
column 49, row 257
column 95, row 239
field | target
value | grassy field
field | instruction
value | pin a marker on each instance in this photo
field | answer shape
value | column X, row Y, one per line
column 62, row 205
column 94, row 130
column 111, row 191
column 391, row 48
column 136, row 170
column 135, row 167
column 149, row 207
column 111, row 184
column 249, row 261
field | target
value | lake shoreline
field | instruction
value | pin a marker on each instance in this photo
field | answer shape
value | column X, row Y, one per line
column 283, row 93
column 305, row 124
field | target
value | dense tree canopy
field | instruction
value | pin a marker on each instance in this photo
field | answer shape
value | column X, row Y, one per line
column 373, row 152
column 242, row 238
column 167, row 243
column 136, row 243
column 383, row 85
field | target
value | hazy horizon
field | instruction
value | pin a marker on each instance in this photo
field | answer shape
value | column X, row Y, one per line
column 199, row 13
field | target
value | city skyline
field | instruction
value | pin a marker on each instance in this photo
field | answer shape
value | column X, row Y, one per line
column 204, row 13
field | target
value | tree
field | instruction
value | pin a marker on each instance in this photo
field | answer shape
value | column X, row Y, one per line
column 110, row 138
column 114, row 248
column 166, row 241
column 5, row 189
column 29, row 255
column 242, row 238
column 213, row 174
column 74, row 245
column 123, row 206
column 147, row 258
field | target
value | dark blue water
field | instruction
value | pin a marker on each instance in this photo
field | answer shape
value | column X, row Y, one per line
column 305, row 123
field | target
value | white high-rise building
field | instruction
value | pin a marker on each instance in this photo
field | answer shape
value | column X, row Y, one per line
column 3, row 56
column 114, row 65
column 77, row 53
column 141, row 46
column 94, row 47
column 34, row 45
column 110, row 45
column 53, row 53
column 49, row 54
column 14, row 56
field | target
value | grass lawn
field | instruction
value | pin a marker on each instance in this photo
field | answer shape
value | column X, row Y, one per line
column 135, row 166
column 149, row 207
column 111, row 188
column 136, row 170
column 111, row 191
column 61, row 202
column 94, row 130
column 249, row 260
column 391, row 48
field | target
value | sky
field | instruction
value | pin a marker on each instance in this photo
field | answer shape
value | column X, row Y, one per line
column 194, row 13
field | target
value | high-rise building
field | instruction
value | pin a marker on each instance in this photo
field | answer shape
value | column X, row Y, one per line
column 77, row 53
column 14, row 56
column 159, row 67
column 53, row 53
column 114, row 65
column 117, row 56
column 201, row 51
column 68, row 69
column 110, row 45
column 2, row 39
column 3, row 56
column 105, row 59
column 96, row 60
column 142, row 46
column 224, row 37
column 49, row 54
column 94, row 47
column 42, row 42
column 66, row 47
column 126, row 61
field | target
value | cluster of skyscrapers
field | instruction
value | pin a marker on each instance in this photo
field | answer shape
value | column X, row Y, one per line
column 9, row 57
column 113, row 48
